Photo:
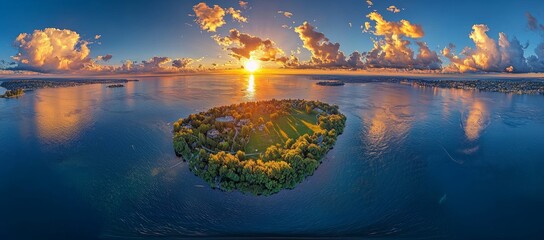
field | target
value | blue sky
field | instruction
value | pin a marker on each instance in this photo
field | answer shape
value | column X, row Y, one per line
column 138, row 30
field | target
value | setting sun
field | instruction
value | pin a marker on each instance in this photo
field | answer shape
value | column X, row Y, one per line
column 251, row 65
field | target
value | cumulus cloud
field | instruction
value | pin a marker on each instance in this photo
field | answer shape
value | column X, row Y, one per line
column 286, row 14
column 211, row 18
column 355, row 60
column 105, row 58
column 157, row 65
column 182, row 62
column 402, row 28
column 51, row 49
column 236, row 15
column 324, row 52
column 393, row 9
column 243, row 45
column 502, row 55
column 488, row 55
column 393, row 51
column 56, row 50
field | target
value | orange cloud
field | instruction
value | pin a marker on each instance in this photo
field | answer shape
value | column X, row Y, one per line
column 286, row 14
column 402, row 28
column 236, row 15
column 487, row 56
column 393, row 9
column 243, row 45
column 323, row 51
column 52, row 49
column 393, row 51
column 243, row 4
column 56, row 50
column 210, row 18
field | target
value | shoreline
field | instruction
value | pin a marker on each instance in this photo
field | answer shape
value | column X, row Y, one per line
column 520, row 86
column 39, row 83
column 2, row 89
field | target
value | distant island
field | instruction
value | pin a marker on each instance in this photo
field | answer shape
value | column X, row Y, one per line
column 116, row 86
column 258, row 147
column 330, row 83
column 13, row 93
column 37, row 83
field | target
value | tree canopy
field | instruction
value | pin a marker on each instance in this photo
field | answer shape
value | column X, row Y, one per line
column 215, row 149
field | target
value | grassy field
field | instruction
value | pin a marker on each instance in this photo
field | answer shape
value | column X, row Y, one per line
column 292, row 126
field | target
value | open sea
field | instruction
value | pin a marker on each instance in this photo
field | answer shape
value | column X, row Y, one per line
column 92, row 162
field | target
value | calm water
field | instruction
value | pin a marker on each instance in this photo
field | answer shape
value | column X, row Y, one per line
column 93, row 162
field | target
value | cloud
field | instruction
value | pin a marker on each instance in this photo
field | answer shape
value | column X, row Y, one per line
column 182, row 62
column 324, row 52
column 158, row 65
column 355, row 60
column 243, row 4
column 532, row 23
column 367, row 27
column 426, row 58
column 211, row 18
column 236, row 15
column 51, row 50
column 402, row 28
column 56, row 50
column 286, row 14
column 393, row 51
column 393, row 9
column 243, row 45
column 97, row 36
column 490, row 56
column 369, row 3
column 105, row 58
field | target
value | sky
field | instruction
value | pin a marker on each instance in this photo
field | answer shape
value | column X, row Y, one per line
column 107, row 34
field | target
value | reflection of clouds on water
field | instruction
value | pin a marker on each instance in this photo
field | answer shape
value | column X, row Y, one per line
column 62, row 113
column 388, row 124
column 476, row 120
column 387, row 169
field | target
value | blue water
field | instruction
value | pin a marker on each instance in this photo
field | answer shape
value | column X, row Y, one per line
column 92, row 162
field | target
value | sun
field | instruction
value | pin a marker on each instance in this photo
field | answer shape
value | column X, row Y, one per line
column 252, row 65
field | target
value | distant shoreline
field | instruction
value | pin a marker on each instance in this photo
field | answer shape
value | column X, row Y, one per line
column 38, row 83
column 510, row 86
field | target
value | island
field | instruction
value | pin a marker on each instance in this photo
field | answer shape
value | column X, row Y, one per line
column 330, row 83
column 116, row 86
column 13, row 93
column 258, row 147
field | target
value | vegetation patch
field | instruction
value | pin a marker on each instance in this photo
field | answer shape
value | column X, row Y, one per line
column 13, row 93
column 258, row 147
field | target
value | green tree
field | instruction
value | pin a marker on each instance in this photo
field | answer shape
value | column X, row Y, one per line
column 241, row 155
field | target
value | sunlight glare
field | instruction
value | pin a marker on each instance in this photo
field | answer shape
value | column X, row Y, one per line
column 251, row 65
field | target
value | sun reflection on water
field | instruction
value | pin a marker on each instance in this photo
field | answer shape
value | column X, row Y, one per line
column 250, row 90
